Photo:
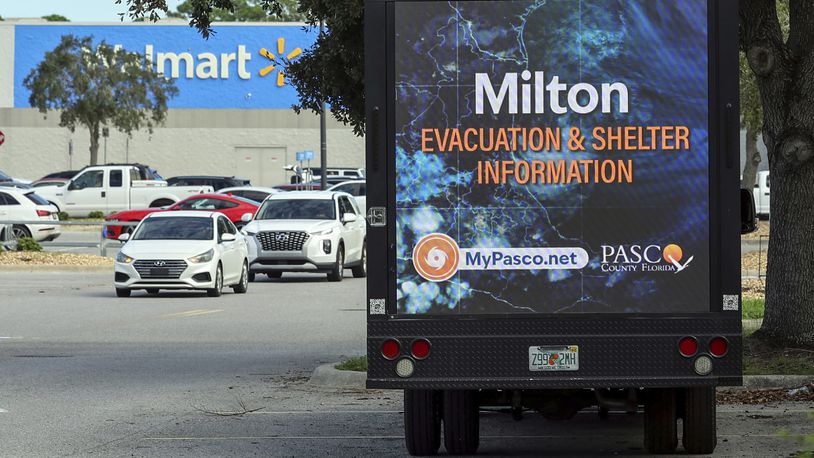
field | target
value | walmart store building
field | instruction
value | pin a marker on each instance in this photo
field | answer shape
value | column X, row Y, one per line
column 232, row 116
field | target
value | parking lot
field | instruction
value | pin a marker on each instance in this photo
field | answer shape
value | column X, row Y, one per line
column 181, row 374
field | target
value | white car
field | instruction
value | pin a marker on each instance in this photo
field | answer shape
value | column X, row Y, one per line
column 255, row 193
column 183, row 250
column 26, row 205
column 356, row 188
column 308, row 231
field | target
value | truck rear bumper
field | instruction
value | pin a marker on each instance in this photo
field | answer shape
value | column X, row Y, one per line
column 614, row 352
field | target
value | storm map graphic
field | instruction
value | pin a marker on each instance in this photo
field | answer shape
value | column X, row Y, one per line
column 549, row 132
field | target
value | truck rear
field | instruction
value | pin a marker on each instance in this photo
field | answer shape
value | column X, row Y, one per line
column 554, row 212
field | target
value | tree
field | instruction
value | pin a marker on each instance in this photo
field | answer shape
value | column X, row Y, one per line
column 56, row 18
column 96, row 86
column 243, row 11
column 331, row 71
column 784, row 73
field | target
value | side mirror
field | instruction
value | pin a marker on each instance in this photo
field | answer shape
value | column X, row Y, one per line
column 227, row 237
column 124, row 237
column 348, row 218
column 247, row 217
column 748, row 213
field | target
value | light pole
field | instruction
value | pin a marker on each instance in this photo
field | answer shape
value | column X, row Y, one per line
column 105, row 134
column 323, row 147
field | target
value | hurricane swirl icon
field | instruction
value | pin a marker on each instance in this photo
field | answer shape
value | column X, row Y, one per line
column 436, row 256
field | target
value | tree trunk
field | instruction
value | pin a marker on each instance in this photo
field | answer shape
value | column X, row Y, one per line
column 784, row 70
column 752, row 160
column 94, row 143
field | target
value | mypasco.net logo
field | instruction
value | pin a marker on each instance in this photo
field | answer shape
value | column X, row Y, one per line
column 437, row 257
column 644, row 258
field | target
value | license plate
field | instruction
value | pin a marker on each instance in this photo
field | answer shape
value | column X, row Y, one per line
column 554, row 358
column 159, row 272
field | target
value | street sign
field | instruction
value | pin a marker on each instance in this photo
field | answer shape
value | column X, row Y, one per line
column 2, row 137
column 303, row 156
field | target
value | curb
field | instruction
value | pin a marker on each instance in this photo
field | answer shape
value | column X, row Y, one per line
column 326, row 375
column 57, row 269
column 758, row 382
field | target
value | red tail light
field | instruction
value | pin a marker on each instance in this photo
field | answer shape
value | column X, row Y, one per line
column 688, row 346
column 391, row 349
column 43, row 213
column 718, row 347
column 420, row 349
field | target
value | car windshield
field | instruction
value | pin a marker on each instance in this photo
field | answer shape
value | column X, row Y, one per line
column 297, row 209
column 175, row 228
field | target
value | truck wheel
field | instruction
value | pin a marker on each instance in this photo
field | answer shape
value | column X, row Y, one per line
column 338, row 271
column 461, row 422
column 700, row 431
column 660, row 434
column 422, row 421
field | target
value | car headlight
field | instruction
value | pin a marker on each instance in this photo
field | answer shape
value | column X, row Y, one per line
column 123, row 258
column 325, row 232
column 203, row 257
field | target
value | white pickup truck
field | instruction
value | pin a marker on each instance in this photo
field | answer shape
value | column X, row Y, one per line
column 112, row 188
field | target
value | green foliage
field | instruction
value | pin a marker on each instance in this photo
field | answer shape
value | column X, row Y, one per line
column 28, row 244
column 56, row 18
column 332, row 71
column 97, row 85
column 241, row 11
column 64, row 216
column 96, row 215
column 753, row 309
column 357, row 364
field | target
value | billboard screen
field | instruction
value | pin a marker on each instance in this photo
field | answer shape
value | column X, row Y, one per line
column 238, row 67
column 552, row 157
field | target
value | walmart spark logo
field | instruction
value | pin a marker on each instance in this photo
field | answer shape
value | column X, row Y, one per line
column 280, row 52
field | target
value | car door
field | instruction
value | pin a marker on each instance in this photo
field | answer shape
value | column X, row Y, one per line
column 116, row 193
column 353, row 235
column 229, row 253
column 86, row 193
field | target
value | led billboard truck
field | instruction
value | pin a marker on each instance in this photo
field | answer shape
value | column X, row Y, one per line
column 554, row 212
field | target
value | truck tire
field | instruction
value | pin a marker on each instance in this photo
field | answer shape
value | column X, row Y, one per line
column 700, row 430
column 660, row 434
column 461, row 422
column 422, row 421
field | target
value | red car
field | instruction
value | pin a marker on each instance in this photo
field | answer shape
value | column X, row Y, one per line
column 232, row 206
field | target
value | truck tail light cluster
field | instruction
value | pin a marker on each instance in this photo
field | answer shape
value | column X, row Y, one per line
column 419, row 350
column 717, row 347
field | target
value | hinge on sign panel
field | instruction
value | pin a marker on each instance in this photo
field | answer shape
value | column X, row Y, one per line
column 377, row 216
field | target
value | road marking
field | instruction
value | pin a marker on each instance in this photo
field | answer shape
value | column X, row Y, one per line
column 197, row 312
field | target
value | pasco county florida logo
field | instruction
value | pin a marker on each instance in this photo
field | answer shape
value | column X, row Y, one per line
column 437, row 257
column 644, row 258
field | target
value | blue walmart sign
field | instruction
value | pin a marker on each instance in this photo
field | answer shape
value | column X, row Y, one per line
column 238, row 67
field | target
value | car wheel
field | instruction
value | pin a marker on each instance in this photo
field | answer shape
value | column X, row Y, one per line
column 243, row 286
column 19, row 232
column 218, row 289
column 360, row 271
column 122, row 292
column 274, row 274
column 339, row 268
column 152, row 291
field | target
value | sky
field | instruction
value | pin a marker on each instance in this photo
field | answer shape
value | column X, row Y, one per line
column 74, row 10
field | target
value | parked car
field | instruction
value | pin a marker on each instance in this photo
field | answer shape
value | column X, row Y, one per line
column 299, row 187
column 255, row 193
column 762, row 194
column 349, row 173
column 356, row 188
column 233, row 207
column 112, row 188
column 15, row 185
column 217, row 183
column 26, row 205
column 307, row 232
column 182, row 250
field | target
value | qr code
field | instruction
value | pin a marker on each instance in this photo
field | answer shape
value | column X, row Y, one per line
column 730, row 302
column 377, row 306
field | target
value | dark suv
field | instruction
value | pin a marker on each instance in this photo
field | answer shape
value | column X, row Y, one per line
column 217, row 183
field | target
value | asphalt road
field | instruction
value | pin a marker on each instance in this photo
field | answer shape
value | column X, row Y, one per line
column 83, row 373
